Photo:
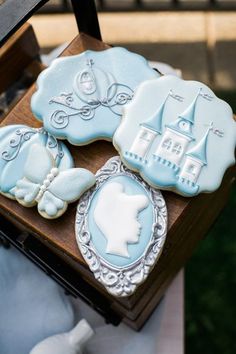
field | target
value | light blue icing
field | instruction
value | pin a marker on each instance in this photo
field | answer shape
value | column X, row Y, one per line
column 189, row 113
column 176, row 126
column 199, row 151
column 15, row 142
column 178, row 135
column 46, row 185
column 145, row 217
column 81, row 98
column 155, row 122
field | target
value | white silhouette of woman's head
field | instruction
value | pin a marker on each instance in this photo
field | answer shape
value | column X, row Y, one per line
column 116, row 216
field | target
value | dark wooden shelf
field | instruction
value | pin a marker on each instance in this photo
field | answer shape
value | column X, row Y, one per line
column 189, row 218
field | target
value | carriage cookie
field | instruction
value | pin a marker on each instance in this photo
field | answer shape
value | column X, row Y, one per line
column 80, row 98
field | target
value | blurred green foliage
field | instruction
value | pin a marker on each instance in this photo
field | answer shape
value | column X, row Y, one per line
column 210, row 293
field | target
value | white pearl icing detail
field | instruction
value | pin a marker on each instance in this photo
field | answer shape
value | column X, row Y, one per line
column 50, row 177
column 55, row 171
column 46, row 183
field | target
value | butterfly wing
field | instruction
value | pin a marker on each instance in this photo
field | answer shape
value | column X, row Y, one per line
column 14, row 155
column 51, row 207
column 25, row 192
column 69, row 185
column 38, row 164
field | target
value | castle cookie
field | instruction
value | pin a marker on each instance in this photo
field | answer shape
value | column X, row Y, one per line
column 15, row 143
column 178, row 135
column 80, row 98
column 48, row 187
column 121, row 225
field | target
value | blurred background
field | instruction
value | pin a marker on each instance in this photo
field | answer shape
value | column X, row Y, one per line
column 201, row 43
column 199, row 39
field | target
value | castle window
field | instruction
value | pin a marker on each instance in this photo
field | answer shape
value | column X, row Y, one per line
column 177, row 149
column 191, row 169
column 144, row 135
column 184, row 125
column 167, row 144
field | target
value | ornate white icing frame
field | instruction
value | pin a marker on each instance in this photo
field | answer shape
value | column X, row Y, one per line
column 121, row 281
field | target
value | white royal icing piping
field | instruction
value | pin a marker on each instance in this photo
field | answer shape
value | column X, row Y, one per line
column 46, row 183
column 116, row 216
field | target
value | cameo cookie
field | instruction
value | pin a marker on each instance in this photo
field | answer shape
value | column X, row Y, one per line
column 48, row 187
column 80, row 98
column 121, row 225
column 15, row 142
column 178, row 135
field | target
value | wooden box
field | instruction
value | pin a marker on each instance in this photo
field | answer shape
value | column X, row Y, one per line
column 52, row 243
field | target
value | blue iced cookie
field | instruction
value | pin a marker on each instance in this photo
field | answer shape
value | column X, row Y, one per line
column 80, row 98
column 121, row 225
column 44, row 184
column 178, row 135
column 15, row 142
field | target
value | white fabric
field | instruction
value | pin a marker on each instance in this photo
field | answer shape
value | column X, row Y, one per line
column 32, row 306
column 162, row 334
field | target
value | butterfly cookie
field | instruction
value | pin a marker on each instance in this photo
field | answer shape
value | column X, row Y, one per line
column 48, row 187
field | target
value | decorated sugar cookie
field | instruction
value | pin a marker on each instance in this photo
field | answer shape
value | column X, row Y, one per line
column 178, row 135
column 15, row 142
column 121, row 225
column 44, row 184
column 80, row 98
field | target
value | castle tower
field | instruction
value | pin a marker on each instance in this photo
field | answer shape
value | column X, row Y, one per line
column 148, row 131
column 196, row 158
column 178, row 135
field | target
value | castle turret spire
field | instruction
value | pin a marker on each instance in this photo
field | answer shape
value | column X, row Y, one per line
column 189, row 112
column 199, row 151
column 183, row 124
column 155, row 121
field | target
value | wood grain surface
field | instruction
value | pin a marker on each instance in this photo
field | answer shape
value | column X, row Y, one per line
column 19, row 51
